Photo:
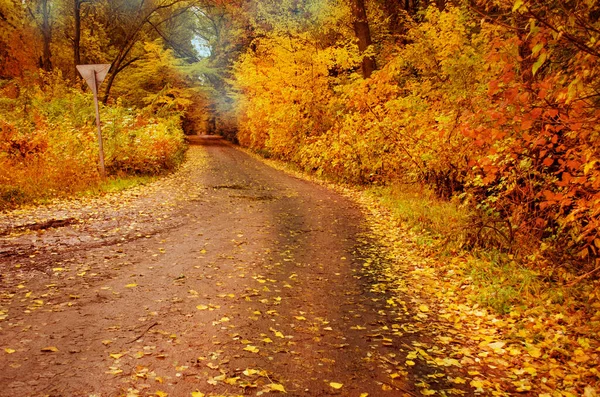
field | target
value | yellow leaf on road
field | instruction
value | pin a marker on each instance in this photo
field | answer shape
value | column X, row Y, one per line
column 9, row 350
column 114, row 371
column 161, row 393
column 336, row 385
column 197, row 394
column 424, row 308
column 477, row 384
column 132, row 285
column 50, row 349
column 277, row 333
column 231, row 381
column 590, row 391
column 276, row 387
column 252, row 349
column 534, row 352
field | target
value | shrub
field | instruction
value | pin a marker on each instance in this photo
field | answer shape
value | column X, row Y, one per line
column 48, row 143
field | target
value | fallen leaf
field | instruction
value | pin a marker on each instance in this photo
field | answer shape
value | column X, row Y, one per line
column 534, row 352
column 132, row 285
column 197, row 394
column 161, row 393
column 497, row 345
column 336, row 385
column 231, row 381
column 252, row 349
column 114, row 371
column 277, row 333
column 50, row 349
column 276, row 387
column 477, row 384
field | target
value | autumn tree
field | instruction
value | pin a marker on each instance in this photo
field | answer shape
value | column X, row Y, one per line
column 363, row 35
column 41, row 12
column 17, row 54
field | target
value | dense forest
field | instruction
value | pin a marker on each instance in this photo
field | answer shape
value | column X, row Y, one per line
column 493, row 104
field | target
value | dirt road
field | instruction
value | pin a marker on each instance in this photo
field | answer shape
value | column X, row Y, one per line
column 228, row 278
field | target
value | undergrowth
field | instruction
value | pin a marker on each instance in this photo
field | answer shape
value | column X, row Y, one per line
column 49, row 149
column 118, row 183
column 499, row 280
column 436, row 221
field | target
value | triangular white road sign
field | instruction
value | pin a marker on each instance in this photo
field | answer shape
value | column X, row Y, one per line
column 94, row 75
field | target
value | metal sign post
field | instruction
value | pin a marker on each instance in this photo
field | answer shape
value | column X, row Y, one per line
column 94, row 75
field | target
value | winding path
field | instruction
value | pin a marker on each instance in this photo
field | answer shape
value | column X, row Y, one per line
column 226, row 278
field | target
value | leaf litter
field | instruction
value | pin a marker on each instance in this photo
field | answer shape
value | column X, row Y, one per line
column 436, row 332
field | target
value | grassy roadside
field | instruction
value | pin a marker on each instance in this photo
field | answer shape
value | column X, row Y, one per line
column 11, row 198
column 118, row 183
column 514, row 327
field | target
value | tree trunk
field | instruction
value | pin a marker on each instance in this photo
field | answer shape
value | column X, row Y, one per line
column 111, row 79
column 363, row 34
column 77, row 33
column 46, row 29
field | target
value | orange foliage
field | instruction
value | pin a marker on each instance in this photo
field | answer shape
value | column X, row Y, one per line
column 507, row 121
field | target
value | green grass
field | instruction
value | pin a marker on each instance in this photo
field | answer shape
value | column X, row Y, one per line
column 498, row 281
column 501, row 284
column 437, row 222
column 13, row 196
column 117, row 184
